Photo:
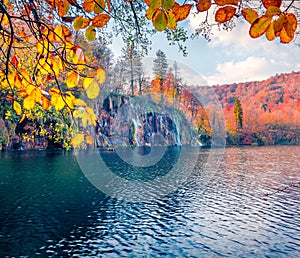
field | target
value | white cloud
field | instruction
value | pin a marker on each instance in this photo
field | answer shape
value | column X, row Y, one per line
column 250, row 59
column 250, row 69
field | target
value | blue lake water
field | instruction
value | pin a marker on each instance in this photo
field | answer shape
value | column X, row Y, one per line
column 245, row 203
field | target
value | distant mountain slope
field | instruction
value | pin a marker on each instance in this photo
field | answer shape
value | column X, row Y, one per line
column 271, row 107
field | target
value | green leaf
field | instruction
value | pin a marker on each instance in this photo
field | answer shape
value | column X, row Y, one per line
column 160, row 20
column 168, row 4
column 90, row 33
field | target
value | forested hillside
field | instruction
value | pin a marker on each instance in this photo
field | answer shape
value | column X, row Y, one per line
column 270, row 110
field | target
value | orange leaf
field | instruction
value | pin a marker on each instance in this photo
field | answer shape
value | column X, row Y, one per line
column 270, row 32
column 89, row 139
column 278, row 25
column 203, row 5
column 108, row 5
column 181, row 12
column 51, row 2
column 73, row 79
column 45, row 103
column 88, row 5
column 284, row 37
column 85, row 22
column 225, row 2
column 268, row 3
column 62, row 7
column 225, row 14
column 290, row 24
column 249, row 15
column 54, row 91
column 259, row 26
column 100, row 20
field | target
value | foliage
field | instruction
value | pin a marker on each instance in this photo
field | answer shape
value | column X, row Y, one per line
column 42, row 43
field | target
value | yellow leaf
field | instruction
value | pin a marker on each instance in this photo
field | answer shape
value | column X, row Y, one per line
column 85, row 22
column 90, row 33
column 93, row 90
column 73, row 79
column 79, row 103
column 29, row 89
column 249, row 15
column 69, row 101
column 149, row 13
column 272, row 11
column 99, row 6
column 100, row 76
column 54, row 91
column 284, row 37
column 78, row 22
column 172, row 23
column 17, row 108
column 259, row 26
column 225, row 14
column 86, row 82
column 28, row 103
column 278, row 25
column 270, row 32
column 77, row 140
column 58, row 102
column 36, row 94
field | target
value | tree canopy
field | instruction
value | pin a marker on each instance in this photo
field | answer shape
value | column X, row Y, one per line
column 43, row 64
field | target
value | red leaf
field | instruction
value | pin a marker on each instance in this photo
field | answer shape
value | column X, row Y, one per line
column 15, row 61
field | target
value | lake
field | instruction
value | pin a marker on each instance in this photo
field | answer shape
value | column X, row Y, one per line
column 189, row 202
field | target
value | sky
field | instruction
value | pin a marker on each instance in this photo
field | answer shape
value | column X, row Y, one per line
column 230, row 57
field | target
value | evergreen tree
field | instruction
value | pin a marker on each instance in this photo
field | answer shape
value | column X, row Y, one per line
column 160, row 66
column 238, row 112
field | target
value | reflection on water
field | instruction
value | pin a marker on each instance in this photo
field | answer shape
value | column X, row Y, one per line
column 249, row 207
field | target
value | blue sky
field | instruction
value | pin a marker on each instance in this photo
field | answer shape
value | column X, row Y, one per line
column 229, row 57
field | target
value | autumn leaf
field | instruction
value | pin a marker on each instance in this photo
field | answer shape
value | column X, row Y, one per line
column 17, row 108
column 28, row 103
column 92, row 89
column 160, row 20
column 88, row 139
column 155, row 4
column 100, row 20
column 172, row 23
column 85, row 22
column 270, row 32
column 78, row 22
column 149, row 13
column 62, row 7
column 99, row 6
column 249, row 15
column 88, row 5
column 290, row 24
column 90, row 33
column 100, row 76
column 15, row 61
column 63, row 33
column 272, row 11
column 58, row 102
column 225, row 14
column 181, row 12
column 203, row 5
column 79, row 103
column 226, row 2
column 72, row 79
column 45, row 103
column 77, row 140
column 167, row 4
column 268, row 3
column 259, row 26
